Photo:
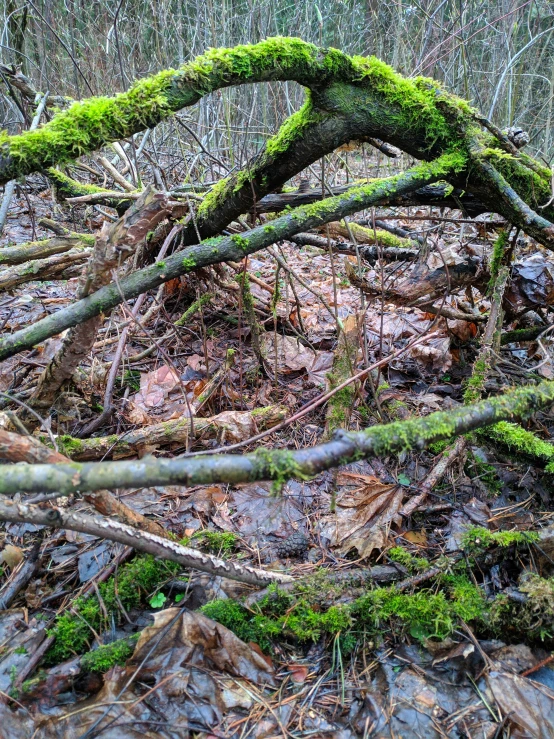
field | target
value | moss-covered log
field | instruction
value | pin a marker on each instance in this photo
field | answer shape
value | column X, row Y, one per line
column 40, row 249
column 278, row 465
column 348, row 98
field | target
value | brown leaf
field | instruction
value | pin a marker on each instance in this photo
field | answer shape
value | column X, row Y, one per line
column 364, row 512
column 291, row 355
column 298, row 673
column 155, row 386
column 416, row 537
column 528, row 705
column 180, row 638
column 11, row 556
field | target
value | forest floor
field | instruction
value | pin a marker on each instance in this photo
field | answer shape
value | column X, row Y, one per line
column 425, row 600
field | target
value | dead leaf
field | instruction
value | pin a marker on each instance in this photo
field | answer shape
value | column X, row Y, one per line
column 434, row 350
column 136, row 414
column 416, row 537
column 298, row 673
column 11, row 556
column 365, row 508
column 292, row 356
column 528, row 705
column 180, row 638
column 321, row 365
column 155, row 386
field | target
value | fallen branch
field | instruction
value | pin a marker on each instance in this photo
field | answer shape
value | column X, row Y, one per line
column 17, row 448
column 139, row 540
column 231, row 248
column 45, row 248
column 435, row 476
column 438, row 195
column 56, row 267
column 370, row 253
column 279, row 465
column 175, row 431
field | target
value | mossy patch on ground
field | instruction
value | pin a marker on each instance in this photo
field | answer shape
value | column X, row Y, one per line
column 106, row 656
column 74, row 630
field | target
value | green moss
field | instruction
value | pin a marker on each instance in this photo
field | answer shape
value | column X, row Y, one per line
column 468, row 600
column 532, row 183
column 278, row 617
column 240, row 241
column 298, row 616
column 189, row 263
column 279, row 465
column 69, row 446
column 478, row 539
column 87, row 125
column 475, row 385
column 194, row 308
column 439, row 447
column 407, row 560
column 213, row 199
column 131, row 586
column 371, row 236
column 218, row 542
column 107, row 655
column 521, row 441
column 293, row 128
column 533, row 618
column 498, row 249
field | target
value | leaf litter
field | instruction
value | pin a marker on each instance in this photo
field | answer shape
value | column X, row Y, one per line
column 369, row 674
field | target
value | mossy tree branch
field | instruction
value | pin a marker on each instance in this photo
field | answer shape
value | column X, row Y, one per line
column 233, row 248
column 348, row 97
column 278, row 465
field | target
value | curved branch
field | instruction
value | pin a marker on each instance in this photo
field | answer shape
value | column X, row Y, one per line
column 89, row 125
column 233, row 248
column 349, row 97
column 278, row 464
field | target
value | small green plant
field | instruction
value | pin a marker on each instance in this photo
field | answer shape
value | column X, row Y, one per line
column 132, row 585
column 157, row 601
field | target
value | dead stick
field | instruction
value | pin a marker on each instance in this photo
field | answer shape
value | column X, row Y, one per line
column 17, row 448
column 143, row 541
column 435, row 476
